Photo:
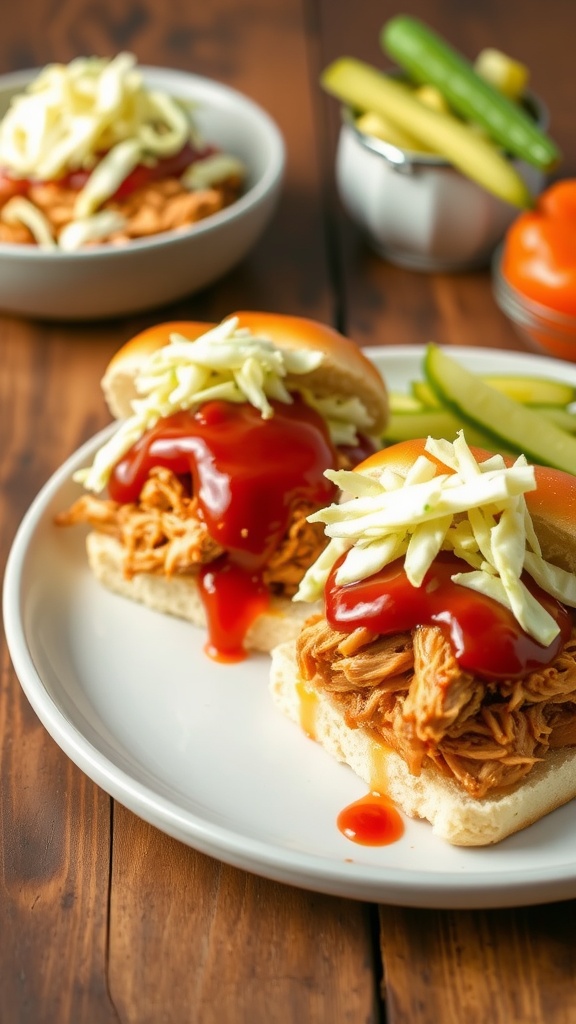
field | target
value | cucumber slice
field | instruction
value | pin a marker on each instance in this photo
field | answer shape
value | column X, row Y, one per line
column 561, row 417
column 425, row 394
column 533, row 390
column 400, row 402
column 437, row 423
column 528, row 390
column 515, row 426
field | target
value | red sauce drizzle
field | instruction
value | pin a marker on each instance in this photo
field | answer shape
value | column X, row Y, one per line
column 485, row 636
column 371, row 821
column 247, row 473
column 233, row 599
column 166, row 167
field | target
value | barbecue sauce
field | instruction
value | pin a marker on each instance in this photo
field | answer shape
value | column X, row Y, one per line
column 485, row 636
column 371, row 821
column 142, row 175
column 247, row 474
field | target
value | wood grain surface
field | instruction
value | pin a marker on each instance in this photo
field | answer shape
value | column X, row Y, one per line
column 103, row 918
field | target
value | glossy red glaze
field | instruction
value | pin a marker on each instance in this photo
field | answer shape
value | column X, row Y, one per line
column 486, row 638
column 10, row 187
column 167, row 167
column 233, row 599
column 247, row 473
column 371, row 821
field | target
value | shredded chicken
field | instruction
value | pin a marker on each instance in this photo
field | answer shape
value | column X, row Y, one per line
column 300, row 547
column 164, row 533
column 410, row 689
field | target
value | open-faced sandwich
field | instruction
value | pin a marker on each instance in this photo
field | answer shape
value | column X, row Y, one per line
column 444, row 661
column 199, row 500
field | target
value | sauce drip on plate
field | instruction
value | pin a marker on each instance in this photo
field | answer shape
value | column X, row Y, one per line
column 371, row 821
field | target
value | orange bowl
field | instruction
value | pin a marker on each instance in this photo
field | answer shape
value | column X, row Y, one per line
column 547, row 330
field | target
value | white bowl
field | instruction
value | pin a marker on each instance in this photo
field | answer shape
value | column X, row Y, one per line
column 108, row 280
column 415, row 209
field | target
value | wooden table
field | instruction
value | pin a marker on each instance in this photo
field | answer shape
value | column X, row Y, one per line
column 102, row 917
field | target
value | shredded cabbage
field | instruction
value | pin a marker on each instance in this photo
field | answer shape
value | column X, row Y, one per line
column 345, row 416
column 19, row 210
column 478, row 511
column 70, row 115
column 210, row 170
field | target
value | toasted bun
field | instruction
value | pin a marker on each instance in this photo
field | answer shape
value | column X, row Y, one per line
column 345, row 371
column 552, row 505
column 455, row 817
column 180, row 596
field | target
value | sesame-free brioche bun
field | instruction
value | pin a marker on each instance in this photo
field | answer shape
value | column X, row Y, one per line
column 456, row 817
column 180, row 596
column 345, row 371
column 552, row 505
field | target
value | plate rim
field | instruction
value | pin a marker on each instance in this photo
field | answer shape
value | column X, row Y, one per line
column 405, row 887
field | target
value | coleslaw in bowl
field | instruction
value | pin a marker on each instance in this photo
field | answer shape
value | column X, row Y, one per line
column 104, row 279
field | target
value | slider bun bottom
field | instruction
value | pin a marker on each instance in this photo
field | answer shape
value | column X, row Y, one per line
column 180, row 596
column 455, row 817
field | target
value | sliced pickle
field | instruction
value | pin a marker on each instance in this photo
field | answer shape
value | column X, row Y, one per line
column 511, row 425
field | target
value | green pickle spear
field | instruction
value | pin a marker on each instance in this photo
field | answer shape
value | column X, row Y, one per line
column 513, row 426
column 429, row 59
column 364, row 88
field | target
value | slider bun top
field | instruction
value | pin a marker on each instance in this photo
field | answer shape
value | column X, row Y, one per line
column 344, row 372
column 552, row 505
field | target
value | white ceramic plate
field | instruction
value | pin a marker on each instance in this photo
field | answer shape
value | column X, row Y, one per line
column 197, row 748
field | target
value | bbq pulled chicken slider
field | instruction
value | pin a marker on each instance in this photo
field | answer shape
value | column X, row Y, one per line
column 445, row 658
column 199, row 500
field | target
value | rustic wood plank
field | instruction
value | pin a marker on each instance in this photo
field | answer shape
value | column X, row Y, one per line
column 186, row 931
column 503, row 966
column 54, row 822
column 53, row 906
